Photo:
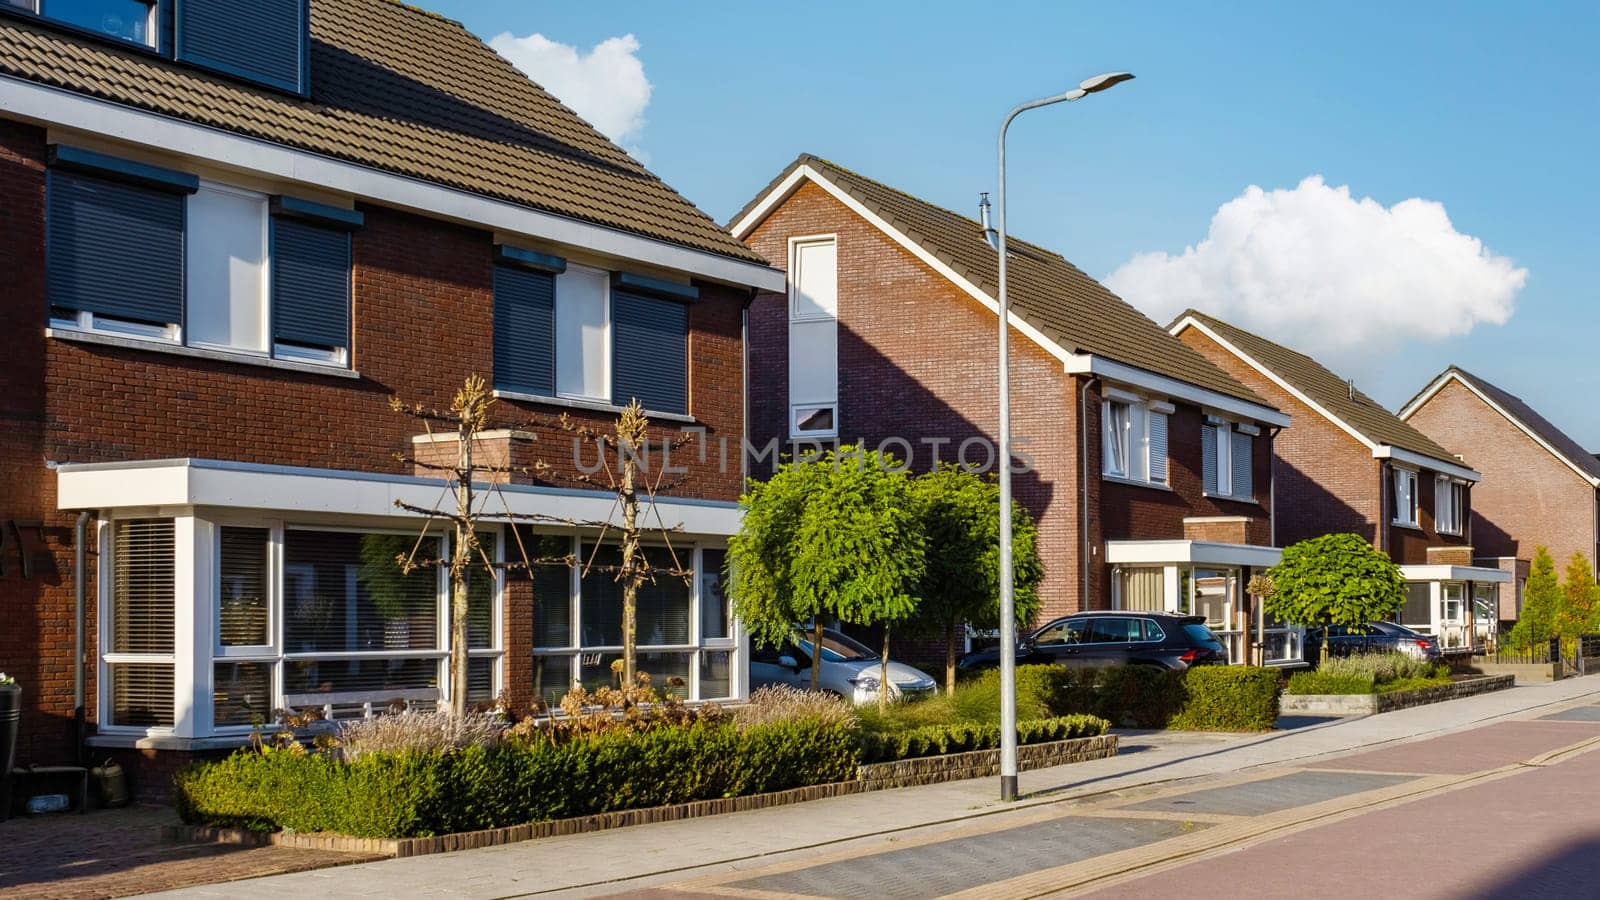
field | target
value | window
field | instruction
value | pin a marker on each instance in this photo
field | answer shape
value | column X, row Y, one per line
column 226, row 269
column 1448, row 505
column 1452, row 599
column 208, row 34
column 1133, row 439
column 813, row 338
column 1066, row 631
column 583, row 351
column 1143, row 589
column 1405, row 496
column 1227, row 459
column 141, row 251
column 139, row 653
column 1214, row 593
column 130, row 20
column 684, row 629
column 650, row 351
column 1417, row 612
column 1118, row 630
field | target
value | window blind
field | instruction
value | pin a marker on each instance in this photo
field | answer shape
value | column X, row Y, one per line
column 650, row 352
column 524, row 330
column 1208, row 457
column 114, row 248
column 242, row 615
column 142, row 591
column 262, row 40
column 310, row 284
column 1240, row 460
column 1157, row 438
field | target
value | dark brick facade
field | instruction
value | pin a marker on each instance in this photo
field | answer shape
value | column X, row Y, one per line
column 421, row 323
column 917, row 362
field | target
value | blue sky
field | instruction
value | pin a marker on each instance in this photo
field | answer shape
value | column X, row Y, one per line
column 1485, row 109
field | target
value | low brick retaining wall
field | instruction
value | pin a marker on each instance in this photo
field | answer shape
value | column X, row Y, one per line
column 1370, row 704
column 875, row 777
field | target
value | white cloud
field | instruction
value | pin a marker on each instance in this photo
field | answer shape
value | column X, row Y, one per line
column 1337, row 277
column 607, row 85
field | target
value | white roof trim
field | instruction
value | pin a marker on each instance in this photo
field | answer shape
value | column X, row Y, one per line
column 1400, row 455
column 789, row 185
column 1111, row 370
column 68, row 109
column 1454, row 573
column 1252, row 362
column 1200, row 552
column 1438, row 385
column 291, row 489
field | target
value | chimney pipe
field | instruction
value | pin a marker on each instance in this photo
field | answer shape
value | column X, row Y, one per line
column 989, row 234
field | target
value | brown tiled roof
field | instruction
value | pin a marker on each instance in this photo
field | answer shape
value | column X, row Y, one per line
column 401, row 90
column 1529, row 418
column 1045, row 290
column 1328, row 390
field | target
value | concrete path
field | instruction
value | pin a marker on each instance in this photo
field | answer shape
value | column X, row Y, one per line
column 703, row 854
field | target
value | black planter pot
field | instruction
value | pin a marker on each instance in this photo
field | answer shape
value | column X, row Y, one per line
column 10, row 721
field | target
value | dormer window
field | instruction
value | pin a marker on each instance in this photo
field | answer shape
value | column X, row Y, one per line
column 130, row 20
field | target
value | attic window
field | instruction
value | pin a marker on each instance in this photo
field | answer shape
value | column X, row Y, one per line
column 128, row 20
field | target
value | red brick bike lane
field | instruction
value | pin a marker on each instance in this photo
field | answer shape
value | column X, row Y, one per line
column 1535, row 833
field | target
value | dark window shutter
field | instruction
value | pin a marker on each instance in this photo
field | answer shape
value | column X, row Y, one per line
column 262, row 40
column 1243, row 471
column 524, row 330
column 310, row 284
column 649, row 352
column 115, row 248
column 1208, row 456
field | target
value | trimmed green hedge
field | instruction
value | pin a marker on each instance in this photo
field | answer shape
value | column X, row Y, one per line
column 416, row 794
column 1326, row 683
column 1229, row 698
column 961, row 737
column 1204, row 698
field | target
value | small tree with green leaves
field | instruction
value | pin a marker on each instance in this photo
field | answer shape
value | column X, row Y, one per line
column 834, row 534
column 1541, row 604
column 960, row 514
column 1580, row 599
column 1336, row 579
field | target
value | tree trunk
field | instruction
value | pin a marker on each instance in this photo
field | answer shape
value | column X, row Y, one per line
column 816, row 653
column 460, row 560
column 950, row 658
column 631, row 576
column 883, row 672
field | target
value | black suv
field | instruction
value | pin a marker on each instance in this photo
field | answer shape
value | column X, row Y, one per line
column 1102, row 638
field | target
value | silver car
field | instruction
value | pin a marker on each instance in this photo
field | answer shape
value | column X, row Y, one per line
column 849, row 668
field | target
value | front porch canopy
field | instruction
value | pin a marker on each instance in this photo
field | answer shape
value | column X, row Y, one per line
column 1457, row 604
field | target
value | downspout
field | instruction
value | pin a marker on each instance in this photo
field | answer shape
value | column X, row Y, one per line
column 1083, row 484
column 1383, row 506
column 1272, row 484
column 80, row 604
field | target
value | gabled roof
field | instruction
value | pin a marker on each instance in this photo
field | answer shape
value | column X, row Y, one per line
column 400, row 90
column 1067, row 307
column 1557, row 442
column 1331, row 395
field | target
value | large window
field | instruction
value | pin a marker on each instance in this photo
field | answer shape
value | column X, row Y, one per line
column 813, row 337
column 685, row 636
column 1418, row 611
column 1143, row 589
column 130, row 20
column 1449, row 498
column 1405, row 496
column 139, row 652
column 1228, row 459
column 583, row 334
column 1133, row 439
column 217, row 267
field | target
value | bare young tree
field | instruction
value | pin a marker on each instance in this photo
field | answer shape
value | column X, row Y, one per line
column 469, row 416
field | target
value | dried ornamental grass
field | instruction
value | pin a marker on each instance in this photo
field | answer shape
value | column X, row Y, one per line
column 430, row 732
column 781, row 703
column 1380, row 668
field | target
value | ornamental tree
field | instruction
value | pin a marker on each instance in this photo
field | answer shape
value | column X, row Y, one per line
column 834, row 535
column 1580, row 607
column 960, row 514
column 1335, row 579
column 1541, row 604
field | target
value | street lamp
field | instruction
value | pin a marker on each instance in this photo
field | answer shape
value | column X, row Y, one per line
column 1008, row 612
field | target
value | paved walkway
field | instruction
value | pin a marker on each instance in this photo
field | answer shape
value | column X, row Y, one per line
column 704, row 854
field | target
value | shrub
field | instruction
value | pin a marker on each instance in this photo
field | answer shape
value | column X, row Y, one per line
column 961, row 737
column 1379, row 668
column 779, row 702
column 1042, row 692
column 1325, row 683
column 1139, row 696
column 1230, row 698
column 433, row 731
column 411, row 793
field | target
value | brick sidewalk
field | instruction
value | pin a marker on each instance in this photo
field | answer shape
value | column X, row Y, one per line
column 119, row 853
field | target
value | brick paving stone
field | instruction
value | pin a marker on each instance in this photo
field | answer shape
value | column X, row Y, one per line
column 119, row 853
column 1492, row 746
column 1579, row 714
column 1254, row 798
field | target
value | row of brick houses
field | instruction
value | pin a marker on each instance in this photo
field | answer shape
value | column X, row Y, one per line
column 225, row 258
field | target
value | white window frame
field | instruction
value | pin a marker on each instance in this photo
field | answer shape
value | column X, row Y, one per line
column 1117, row 457
column 796, row 244
column 1406, row 516
column 1449, row 499
column 1224, row 429
column 606, row 330
column 801, row 411
column 106, row 543
column 1137, row 449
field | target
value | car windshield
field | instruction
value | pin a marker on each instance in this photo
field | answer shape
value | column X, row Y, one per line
column 837, row 647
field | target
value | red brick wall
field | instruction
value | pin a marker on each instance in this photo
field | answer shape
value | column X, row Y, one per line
column 916, row 360
column 1528, row 497
column 422, row 318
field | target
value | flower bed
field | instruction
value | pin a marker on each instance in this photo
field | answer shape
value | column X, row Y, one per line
column 1370, row 673
column 1369, row 703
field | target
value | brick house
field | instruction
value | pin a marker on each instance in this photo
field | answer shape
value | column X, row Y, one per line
column 1350, row 465
column 1540, row 487
column 885, row 337
column 222, row 259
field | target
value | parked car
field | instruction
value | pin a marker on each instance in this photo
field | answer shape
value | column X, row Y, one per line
column 1374, row 637
column 1102, row 638
column 849, row 668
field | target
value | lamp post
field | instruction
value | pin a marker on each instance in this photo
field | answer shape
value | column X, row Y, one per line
column 1008, row 613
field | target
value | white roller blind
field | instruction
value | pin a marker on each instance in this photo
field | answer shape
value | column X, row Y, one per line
column 1157, row 435
column 583, row 344
column 142, row 602
column 226, row 268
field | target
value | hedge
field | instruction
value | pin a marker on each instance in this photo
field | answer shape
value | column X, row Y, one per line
column 961, row 737
column 1203, row 698
column 417, row 794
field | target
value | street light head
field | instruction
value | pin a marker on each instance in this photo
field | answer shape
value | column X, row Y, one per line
column 1101, row 82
